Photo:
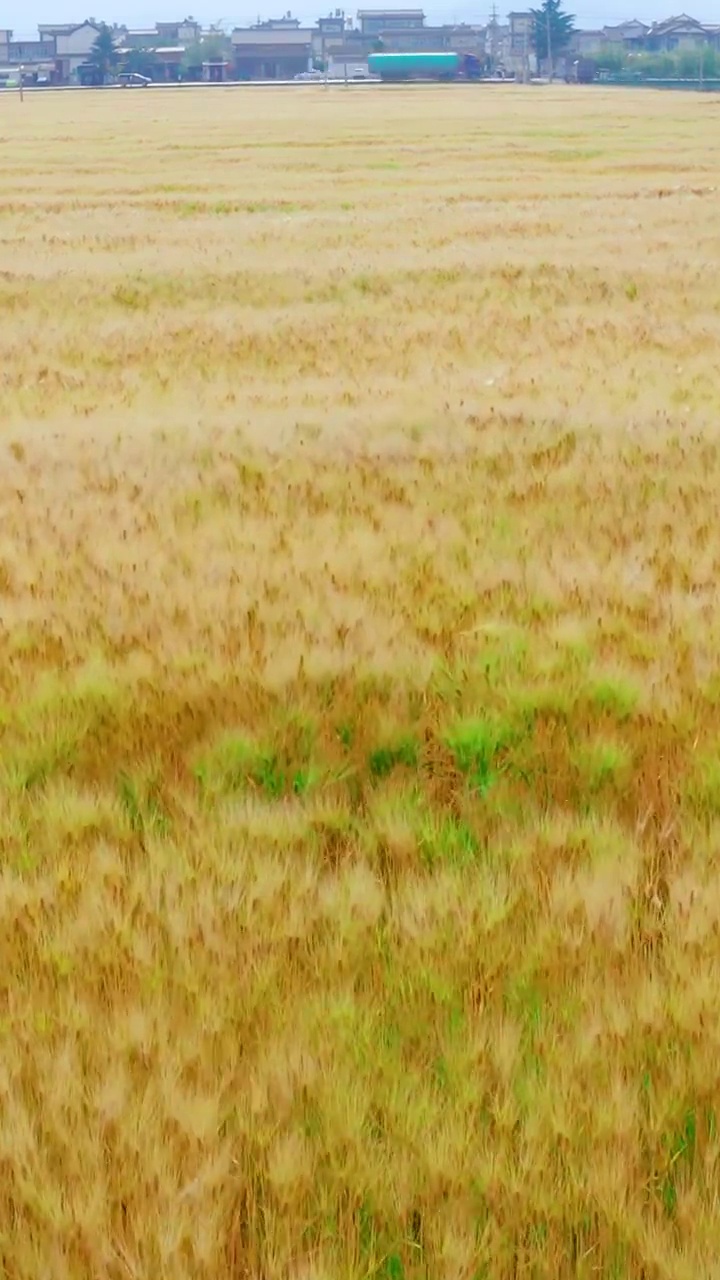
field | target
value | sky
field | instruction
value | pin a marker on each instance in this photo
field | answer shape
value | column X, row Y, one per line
column 24, row 17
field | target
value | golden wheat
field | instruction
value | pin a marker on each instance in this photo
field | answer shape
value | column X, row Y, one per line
column 359, row 700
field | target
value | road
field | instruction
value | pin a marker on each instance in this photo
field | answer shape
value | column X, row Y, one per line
column 239, row 84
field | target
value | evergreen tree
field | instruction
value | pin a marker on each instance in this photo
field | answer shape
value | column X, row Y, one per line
column 550, row 20
column 104, row 55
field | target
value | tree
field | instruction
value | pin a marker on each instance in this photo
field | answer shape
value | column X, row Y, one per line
column 104, row 55
column 550, row 20
column 214, row 45
column 141, row 61
column 612, row 59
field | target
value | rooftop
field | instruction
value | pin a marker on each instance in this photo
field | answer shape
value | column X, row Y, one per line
column 681, row 19
column 65, row 28
column 279, row 36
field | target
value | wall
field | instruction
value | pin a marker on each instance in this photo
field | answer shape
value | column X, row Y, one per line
column 376, row 24
column 29, row 50
column 78, row 42
column 586, row 43
column 271, row 62
column 338, row 65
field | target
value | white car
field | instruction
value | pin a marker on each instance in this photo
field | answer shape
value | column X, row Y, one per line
column 310, row 75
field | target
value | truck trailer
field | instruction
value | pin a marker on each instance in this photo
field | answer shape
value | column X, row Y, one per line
column 424, row 66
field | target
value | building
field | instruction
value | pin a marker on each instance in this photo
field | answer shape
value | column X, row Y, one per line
column 381, row 22
column 672, row 35
column 626, row 35
column 343, row 64
column 405, row 31
column 521, row 33
column 675, row 35
column 36, row 57
column 329, row 36
column 333, row 25
column 28, row 52
column 467, row 38
column 286, row 23
column 57, row 54
column 167, row 60
column 186, row 32
column 72, row 48
column 281, row 48
column 585, row 44
column 73, row 43
column 140, row 38
column 433, row 40
column 162, row 35
column 177, row 50
column 518, row 55
column 271, row 52
column 216, row 70
column 345, row 58
column 498, row 42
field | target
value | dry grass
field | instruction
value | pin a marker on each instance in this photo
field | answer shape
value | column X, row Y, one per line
column 359, row 701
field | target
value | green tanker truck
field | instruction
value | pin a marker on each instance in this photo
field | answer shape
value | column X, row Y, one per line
column 424, row 66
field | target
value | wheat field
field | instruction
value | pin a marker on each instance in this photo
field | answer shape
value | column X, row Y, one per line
column 359, row 686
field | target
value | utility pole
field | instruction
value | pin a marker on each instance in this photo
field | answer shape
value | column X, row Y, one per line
column 526, row 68
column 22, row 77
column 702, row 67
column 549, row 45
column 493, row 38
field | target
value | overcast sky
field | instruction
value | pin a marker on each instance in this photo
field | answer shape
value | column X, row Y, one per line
column 23, row 18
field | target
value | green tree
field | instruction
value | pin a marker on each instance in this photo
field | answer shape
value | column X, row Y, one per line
column 550, row 21
column 690, row 61
column 140, row 61
column 104, row 55
column 215, row 45
column 612, row 59
column 655, row 66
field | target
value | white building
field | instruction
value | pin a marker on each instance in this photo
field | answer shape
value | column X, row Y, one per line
column 73, row 43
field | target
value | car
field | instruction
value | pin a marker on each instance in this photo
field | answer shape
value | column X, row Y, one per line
column 133, row 79
column 310, row 75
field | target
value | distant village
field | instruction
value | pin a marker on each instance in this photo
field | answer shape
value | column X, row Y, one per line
column 337, row 46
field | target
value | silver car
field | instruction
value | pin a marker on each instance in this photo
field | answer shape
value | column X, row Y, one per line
column 133, row 79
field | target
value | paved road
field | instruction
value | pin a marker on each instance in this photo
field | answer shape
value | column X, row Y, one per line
column 229, row 84
column 241, row 84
